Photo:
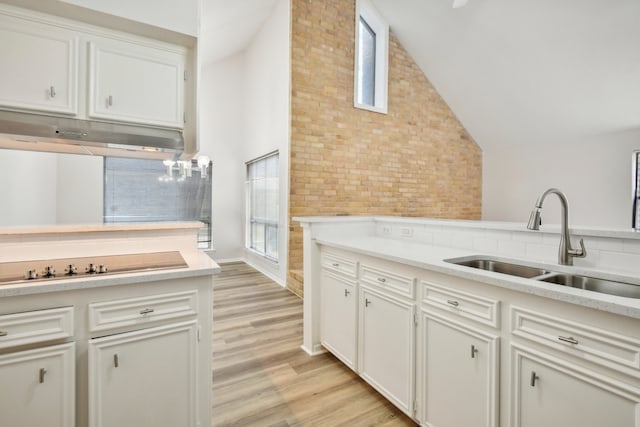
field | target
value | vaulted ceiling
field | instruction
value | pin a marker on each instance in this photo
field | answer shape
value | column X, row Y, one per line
column 513, row 71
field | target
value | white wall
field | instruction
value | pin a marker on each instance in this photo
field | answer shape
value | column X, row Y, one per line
column 267, row 114
column 222, row 130
column 595, row 176
column 27, row 188
column 38, row 188
column 244, row 114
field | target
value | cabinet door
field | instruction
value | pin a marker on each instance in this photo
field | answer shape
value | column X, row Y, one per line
column 39, row 66
column 552, row 393
column 460, row 375
column 387, row 329
column 339, row 303
column 37, row 387
column 133, row 83
column 144, row 378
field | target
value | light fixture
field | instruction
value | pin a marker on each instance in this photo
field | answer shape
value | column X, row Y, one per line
column 457, row 4
column 169, row 165
column 203, row 164
column 185, row 168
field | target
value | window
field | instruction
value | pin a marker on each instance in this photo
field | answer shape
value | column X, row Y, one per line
column 141, row 190
column 371, row 60
column 263, row 205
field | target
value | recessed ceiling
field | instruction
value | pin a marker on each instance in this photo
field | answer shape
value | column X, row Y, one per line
column 528, row 72
column 228, row 26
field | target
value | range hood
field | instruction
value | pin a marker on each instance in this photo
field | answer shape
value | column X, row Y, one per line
column 38, row 132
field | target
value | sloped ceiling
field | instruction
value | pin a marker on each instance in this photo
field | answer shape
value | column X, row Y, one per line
column 228, row 26
column 528, row 71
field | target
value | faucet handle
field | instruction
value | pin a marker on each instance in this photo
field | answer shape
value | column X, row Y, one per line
column 578, row 253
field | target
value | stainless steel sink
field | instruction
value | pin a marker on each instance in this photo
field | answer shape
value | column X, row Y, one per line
column 589, row 283
column 502, row 267
column 603, row 286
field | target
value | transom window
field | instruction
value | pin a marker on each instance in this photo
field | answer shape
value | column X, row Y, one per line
column 371, row 59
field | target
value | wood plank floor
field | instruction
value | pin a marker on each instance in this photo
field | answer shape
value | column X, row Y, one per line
column 262, row 378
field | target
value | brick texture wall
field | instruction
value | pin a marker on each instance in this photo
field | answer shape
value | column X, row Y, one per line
column 417, row 160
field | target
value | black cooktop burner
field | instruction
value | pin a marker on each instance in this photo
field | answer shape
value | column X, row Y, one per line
column 68, row 268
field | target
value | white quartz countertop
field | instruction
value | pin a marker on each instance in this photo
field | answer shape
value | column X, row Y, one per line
column 199, row 265
column 432, row 257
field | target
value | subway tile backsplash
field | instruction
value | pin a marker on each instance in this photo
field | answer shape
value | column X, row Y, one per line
column 617, row 253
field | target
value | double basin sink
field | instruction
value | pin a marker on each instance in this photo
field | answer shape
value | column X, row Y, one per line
column 590, row 283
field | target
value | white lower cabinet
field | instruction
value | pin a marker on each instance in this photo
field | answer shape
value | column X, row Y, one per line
column 460, row 374
column 339, row 320
column 387, row 346
column 37, row 387
column 144, row 378
column 552, row 392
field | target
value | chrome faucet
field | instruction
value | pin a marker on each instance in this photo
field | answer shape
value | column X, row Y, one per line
column 565, row 252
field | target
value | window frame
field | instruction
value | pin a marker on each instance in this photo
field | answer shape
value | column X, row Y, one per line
column 266, row 222
column 367, row 12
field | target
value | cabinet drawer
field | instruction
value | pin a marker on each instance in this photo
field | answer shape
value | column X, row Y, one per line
column 399, row 284
column 463, row 304
column 336, row 263
column 605, row 348
column 139, row 311
column 35, row 326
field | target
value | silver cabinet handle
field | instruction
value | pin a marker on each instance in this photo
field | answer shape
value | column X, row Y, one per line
column 110, row 100
column 146, row 311
column 335, row 264
column 346, row 293
column 381, row 279
column 4, row 333
column 367, row 302
column 570, row 340
column 453, row 302
column 41, row 375
column 474, row 350
column 115, row 360
column 52, row 91
column 534, row 378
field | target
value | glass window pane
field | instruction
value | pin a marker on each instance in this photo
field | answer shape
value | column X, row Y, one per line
column 272, row 241
column 263, row 209
column 366, row 64
column 140, row 190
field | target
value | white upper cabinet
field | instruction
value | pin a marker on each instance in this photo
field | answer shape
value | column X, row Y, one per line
column 39, row 66
column 61, row 67
column 133, row 83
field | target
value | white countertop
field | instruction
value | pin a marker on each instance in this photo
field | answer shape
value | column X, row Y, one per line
column 200, row 265
column 432, row 257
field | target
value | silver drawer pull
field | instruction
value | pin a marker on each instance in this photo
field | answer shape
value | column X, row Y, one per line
column 4, row 333
column 115, row 360
column 534, row 378
column 146, row 311
column 381, row 279
column 110, row 101
column 335, row 264
column 52, row 91
column 41, row 375
column 570, row 340
column 453, row 302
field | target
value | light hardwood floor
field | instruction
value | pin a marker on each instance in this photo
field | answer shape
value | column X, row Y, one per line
column 261, row 377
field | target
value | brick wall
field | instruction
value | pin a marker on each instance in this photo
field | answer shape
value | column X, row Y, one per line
column 417, row 160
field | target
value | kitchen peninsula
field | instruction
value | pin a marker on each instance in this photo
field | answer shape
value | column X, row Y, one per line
column 450, row 344
column 119, row 330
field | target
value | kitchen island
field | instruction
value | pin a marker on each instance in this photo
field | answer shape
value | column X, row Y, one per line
column 96, row 344
column 454, row 345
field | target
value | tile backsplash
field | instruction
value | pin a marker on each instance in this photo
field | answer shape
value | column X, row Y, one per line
column 617, row 252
